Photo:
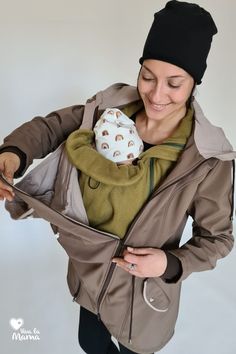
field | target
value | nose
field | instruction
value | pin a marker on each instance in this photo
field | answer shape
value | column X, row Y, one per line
column 158, row 93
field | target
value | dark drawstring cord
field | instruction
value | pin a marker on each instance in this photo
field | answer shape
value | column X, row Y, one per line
column 131, row 309
column 233, row 187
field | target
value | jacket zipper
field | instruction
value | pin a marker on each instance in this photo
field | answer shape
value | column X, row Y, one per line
column 61, row 214
column 86, row 227
column 121, row 246
column 151, row 188
column 233, row 187
column 131, row 309
column 157, row 192
column 119, row 251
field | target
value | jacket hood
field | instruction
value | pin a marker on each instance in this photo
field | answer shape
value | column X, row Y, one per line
column 210, row 140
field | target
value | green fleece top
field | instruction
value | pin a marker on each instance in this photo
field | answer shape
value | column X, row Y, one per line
column 113, row 194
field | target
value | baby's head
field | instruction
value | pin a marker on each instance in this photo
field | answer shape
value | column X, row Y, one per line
column 116, row 137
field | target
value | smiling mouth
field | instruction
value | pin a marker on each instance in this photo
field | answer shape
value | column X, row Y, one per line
column 158, row 107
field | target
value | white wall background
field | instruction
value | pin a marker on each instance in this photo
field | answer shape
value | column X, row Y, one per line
column 58, row 53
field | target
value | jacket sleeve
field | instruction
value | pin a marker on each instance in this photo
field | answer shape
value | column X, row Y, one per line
column 211, row 211
column 173, row 270
column 42, row 135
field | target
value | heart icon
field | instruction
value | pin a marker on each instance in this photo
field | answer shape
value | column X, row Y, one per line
column 16, row 323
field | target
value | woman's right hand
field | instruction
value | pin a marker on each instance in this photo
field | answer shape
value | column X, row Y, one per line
column 9, row 164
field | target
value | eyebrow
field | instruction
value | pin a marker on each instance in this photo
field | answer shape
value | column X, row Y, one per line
column 169, row 77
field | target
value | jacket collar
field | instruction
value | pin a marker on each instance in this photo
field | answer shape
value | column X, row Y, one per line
column 209, row 139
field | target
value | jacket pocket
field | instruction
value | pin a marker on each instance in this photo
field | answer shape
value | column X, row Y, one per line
column 154, row 295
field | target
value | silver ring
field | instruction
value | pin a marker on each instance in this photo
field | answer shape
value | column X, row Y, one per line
column 131, row 266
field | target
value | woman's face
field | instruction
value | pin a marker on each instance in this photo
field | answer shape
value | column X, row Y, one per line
column 164, row 89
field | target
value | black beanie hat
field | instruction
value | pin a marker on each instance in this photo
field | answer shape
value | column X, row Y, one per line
column 181, row 34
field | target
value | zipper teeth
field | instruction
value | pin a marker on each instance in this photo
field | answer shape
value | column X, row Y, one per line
column 122, row 241
column 120, row 246
column 153, row 195
column 109, row 275
column 106, row 233
column 131, row 309
column 63, row 215
column 233, row 187
column 108, row 278
column 86, row 226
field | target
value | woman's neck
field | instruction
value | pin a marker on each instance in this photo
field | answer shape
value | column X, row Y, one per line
column 155, row 132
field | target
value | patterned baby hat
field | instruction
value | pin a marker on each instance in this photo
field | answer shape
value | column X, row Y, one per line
column 116, row 136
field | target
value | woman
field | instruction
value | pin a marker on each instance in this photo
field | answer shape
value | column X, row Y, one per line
column 130, row 288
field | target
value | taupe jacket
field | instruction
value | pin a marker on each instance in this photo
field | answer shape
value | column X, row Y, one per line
column 140, row 313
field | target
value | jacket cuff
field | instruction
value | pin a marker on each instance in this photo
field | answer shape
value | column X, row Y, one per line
column 22, row 157
column 173, row 270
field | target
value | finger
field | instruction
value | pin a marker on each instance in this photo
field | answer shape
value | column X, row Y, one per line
column 141, row 251
column 125, row 252
column 125, row 266
column 9, row 168
column 134, row 272
column 121, row 263
column 6, row 195
column 131, row 258
column 4, row 186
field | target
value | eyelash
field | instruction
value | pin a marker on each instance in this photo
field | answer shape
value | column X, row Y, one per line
column 172, row 86
column 146, row 79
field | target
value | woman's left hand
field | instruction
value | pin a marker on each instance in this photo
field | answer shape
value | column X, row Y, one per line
column 147, row 262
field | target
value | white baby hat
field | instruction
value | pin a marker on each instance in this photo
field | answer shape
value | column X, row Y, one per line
column 116, row 136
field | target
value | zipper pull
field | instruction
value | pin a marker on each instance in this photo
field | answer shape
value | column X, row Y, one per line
column 75, row 297
column 76, row 294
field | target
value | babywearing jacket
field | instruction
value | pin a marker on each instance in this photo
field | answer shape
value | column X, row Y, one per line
column 113, row 194
column 140, row 313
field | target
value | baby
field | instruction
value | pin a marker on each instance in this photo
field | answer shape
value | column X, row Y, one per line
column 116, row 137
column 107, row 177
